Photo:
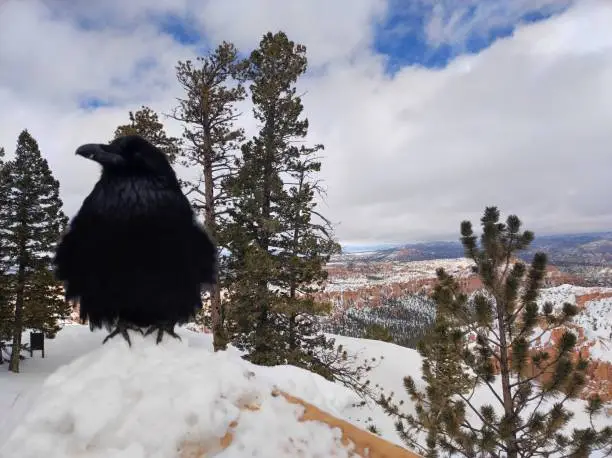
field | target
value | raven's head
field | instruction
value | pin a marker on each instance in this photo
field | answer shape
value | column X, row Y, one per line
column 130, row 154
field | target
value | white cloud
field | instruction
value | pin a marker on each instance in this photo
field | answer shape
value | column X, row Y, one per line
column 523, row 125
column 331, row 30
column 453, row 22
column 55, row 62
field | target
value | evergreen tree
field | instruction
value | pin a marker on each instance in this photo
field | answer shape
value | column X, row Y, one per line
column 529, row 414
column 31, row 221
column 377, row 331
column 279, row 243
column 145, row 122
column 208, row 113
column 304, row 248
column 5, row 310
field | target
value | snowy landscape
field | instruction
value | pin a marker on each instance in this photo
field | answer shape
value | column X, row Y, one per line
column 114, row 401
column 110, row 400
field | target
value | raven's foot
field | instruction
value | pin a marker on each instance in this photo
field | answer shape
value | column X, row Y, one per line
column 122, row 328
column 167, row 328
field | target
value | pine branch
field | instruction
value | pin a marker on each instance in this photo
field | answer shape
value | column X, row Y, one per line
column 478, row 414
column 539, row 336
column 476, row 432
column 526, row 404
column 509, row 251
column 539, row 374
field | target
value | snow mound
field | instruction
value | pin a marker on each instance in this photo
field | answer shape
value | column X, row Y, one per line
column 163, row 400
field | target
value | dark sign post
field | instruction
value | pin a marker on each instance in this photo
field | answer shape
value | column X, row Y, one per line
column 37, row 342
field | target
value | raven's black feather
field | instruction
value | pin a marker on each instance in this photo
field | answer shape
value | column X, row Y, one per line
column 134, row 253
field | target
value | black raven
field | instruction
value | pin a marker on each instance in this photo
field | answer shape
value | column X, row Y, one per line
column 134, row 256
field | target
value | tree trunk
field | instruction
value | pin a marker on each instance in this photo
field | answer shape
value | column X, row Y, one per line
column 216, row 314
column 505, row 376
column 263, row 306
column 18, row 324
column 293, row 287
column 292, row 332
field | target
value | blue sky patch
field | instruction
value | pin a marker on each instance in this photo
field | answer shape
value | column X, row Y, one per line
column 90, row 103
column 402, row 34
column 180, row 29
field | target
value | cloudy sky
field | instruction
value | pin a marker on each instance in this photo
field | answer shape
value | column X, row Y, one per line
column 429, row 110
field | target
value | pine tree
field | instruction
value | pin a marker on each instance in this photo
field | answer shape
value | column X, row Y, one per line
column 32, row 221
column 145, row 122
column 5, row 311
column 377, row 331
column 208, row 113
column 305, row 247
column 529, row 414
column 279, row 243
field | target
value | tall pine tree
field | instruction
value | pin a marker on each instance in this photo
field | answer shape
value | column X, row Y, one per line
column 145, row 122
column 31, row 221
column 5, row 309
column 529, row 387
column 278, row 242
column 211, row 88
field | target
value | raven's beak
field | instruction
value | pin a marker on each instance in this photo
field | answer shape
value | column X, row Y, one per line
column 100, row 154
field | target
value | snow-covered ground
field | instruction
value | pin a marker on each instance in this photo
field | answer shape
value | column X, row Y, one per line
column 595, row 319
column 388, row 272
column 568, row 293
column 143, row 400
column 92, row 400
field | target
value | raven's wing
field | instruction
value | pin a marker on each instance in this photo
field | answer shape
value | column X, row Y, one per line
column 71, row 253
column 65, row 261
column 204, row 256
